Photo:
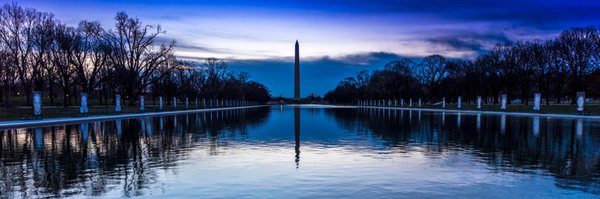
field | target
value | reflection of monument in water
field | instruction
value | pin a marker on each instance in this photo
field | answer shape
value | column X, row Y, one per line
column 297, row 73
column 297, row 134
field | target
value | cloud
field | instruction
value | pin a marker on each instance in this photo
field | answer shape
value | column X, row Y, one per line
column 541, row 14
column 368, row 58
column 470, row 42
column 188, row 47
column 161, row 39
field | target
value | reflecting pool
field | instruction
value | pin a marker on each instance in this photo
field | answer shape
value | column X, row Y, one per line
column 306, row 152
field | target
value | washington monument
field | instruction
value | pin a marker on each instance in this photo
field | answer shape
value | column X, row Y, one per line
column 297, row 73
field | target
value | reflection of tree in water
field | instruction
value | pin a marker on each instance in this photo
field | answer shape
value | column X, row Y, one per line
column 567, row 149
column 64, row 160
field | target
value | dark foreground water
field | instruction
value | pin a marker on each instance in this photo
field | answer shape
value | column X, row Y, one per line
column 308, row 152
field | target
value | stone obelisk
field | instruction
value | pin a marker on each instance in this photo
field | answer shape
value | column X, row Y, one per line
column 297, row 73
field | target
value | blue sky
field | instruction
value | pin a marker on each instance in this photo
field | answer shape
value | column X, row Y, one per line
column 337, row 38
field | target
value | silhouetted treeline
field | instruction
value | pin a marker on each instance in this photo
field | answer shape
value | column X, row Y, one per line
column 39, row 53
column 557, row 68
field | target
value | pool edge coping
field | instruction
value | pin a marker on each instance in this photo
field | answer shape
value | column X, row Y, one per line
column 489, row 112
column 71, row 120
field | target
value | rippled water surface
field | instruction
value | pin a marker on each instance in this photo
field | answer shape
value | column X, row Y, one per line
column 306, row 152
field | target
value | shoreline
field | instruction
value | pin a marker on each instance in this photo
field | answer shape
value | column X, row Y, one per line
column 558, row 115
column 594, row 117
column 71, row 120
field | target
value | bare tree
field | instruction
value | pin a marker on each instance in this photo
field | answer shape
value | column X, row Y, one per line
column 6, row 76
column 216, row 70
column 539, row 58
column 431, row 72
column 90, row 55
column 41, row 62
column 524, row 69
column 62, row 53
column 17, row 29
column 577, row 48
column 135, row 57
column 403, row 77
column 557, row 70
